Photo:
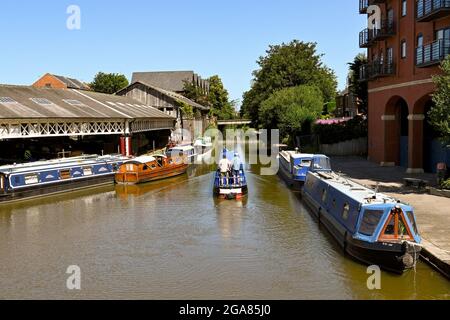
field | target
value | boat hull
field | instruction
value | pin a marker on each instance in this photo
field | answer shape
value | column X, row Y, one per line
column 390, row 256
column 40, row 191
column 286, row 176
column 231, row 193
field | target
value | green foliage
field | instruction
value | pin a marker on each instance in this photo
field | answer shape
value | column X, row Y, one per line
column 358, row 88
column 291, row 109
column 335, row 133
column 284, row 66
column 186, row 110
column 109, row 82
column 440, row 113
column 217, row 99
column 221, row 106
column 195, row 93
column 446, row 184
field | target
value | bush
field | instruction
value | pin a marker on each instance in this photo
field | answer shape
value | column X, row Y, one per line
column 335, row 133
column 446, row 184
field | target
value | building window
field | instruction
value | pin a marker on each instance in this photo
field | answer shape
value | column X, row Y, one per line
column 403, row 49
column 390, row 56
column 404, row 8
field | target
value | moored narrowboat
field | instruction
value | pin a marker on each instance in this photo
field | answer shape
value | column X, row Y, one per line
column 371, row 227
column 151, row 168
column 44, row 178
column 232, row 184
column 293, row 168
column 187, row 151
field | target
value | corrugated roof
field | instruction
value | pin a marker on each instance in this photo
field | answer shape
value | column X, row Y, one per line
column 19, row 102
column 167, row 80
column 72, row 83
column 170, row 94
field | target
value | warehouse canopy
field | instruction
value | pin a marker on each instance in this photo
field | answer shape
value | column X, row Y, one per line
column 35, row 112
column 18, row 102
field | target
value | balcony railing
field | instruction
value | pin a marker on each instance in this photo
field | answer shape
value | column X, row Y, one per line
column 363, row 5
column 368, row 36
column 376, row 69
column 428, row 10
column 432, row 53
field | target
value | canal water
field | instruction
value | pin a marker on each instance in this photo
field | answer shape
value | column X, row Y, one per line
column 173, row 240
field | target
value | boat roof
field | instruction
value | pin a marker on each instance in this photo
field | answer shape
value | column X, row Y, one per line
column 297, row 155
column 357, row 191
column 58, row 163
column 182, row 148
column 142, row 159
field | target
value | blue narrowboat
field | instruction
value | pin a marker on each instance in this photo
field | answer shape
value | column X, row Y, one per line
column 294, row 167
column 371, row 227
column 230, row 186
column 44, row 178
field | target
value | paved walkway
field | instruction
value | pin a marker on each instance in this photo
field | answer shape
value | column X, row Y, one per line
column 433, row 212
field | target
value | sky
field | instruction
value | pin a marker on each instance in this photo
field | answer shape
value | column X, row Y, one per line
column 210, row 37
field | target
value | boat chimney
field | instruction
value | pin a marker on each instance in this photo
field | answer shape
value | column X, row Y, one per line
column 297, row 150
column 377, row 189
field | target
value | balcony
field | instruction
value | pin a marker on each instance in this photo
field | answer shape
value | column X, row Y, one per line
column 367, row 37
column 428, row 10
column 432, row 53
column 375, row 70
column 363, row 5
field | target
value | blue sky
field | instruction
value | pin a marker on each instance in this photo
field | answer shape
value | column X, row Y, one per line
column 210, row 37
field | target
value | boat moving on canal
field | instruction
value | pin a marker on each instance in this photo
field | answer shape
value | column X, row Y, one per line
column 294, row 167
column 44, row 178
column 232, row 184
column 371, row 227
column 151, row 168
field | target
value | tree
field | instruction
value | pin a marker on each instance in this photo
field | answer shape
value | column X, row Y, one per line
column 440, row 113
column 195, row 93
column 359, row 88
column 285, row 66
column 291, row 109
column 109, row 82
column 217, row 98
column 221, row 106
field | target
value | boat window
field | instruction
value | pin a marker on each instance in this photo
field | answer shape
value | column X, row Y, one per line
column 16, row 180
column 87, row 171
column 65, row 174
column 145, row 167
column 413, row 221
column 334, row 203
column 402, row 231
column 390, row 228
column 31, row 179
column 2, row 183
column 370, row 221
column 324, row 196
column 153, row 166
column 322, row 164
column 306, row 163
column 346, row 211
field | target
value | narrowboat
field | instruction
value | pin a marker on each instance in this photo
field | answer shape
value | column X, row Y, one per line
column 151, row 168
column 230, row 186
column 371, row 227
column 294, row 167
column 203, row 148
column 186, row 151
column 44, row 178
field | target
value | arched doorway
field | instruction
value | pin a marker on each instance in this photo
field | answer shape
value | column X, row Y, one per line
column 396, row 131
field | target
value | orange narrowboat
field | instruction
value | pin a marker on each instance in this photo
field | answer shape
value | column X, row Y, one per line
column 150, row 168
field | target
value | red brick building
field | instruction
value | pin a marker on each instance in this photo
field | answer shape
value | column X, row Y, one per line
column 59, row 82
column 405, row 48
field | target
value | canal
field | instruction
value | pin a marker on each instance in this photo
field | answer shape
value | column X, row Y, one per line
column 173, row 240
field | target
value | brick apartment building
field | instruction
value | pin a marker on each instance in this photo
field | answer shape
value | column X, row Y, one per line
column 405, row 49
